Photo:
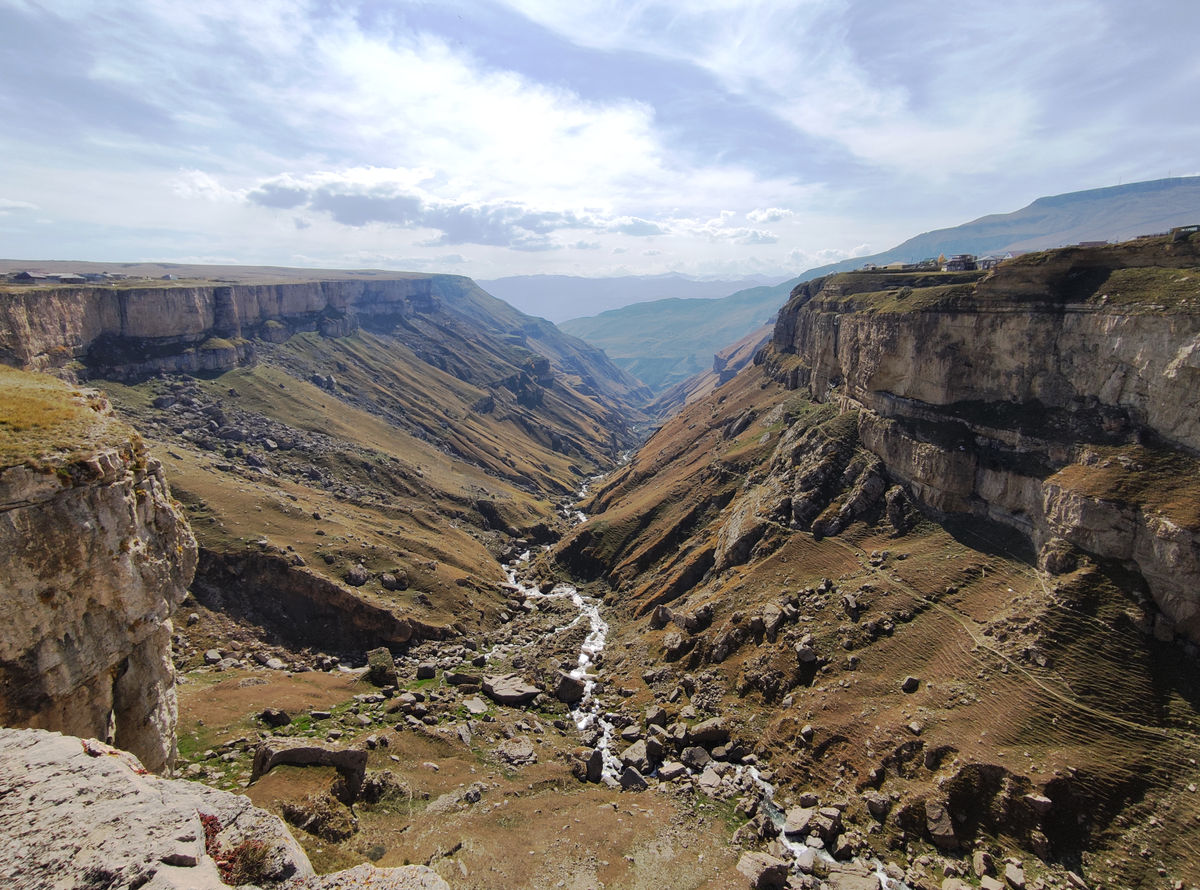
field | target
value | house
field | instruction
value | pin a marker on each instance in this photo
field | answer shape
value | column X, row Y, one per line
column 991, row 261
column 960, row 262
column 1092, row 244
column 1179, row 233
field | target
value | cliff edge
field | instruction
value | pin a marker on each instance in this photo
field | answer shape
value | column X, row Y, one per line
column 94, row 558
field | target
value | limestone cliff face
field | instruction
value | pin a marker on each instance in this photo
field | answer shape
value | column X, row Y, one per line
column 130, row 332
column 977, row 390
column 94, row 558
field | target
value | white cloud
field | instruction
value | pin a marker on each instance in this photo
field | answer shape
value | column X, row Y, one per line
column 769, row 215
column 8, row 205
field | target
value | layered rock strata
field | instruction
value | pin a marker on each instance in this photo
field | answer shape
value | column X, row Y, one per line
column 1042, row 395
column 134, row 331
column 94, row 558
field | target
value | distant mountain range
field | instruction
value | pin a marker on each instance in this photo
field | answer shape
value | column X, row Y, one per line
column 559, row 297
column 666, row 341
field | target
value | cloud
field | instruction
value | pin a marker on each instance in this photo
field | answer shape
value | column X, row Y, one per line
column 755, row 236
column 351, row 203
column 8, row 205
column 641, row 228
column 769, row 215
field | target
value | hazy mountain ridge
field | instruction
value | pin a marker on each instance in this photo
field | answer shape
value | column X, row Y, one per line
column 562, row 297
column 664, row 342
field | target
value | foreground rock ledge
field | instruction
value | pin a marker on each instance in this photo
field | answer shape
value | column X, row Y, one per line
column 79, row 813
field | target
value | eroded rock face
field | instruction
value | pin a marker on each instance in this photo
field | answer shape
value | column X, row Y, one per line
column 94, row 559
column 983, row 395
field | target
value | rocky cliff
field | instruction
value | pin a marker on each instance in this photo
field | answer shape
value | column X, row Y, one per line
column 1049, row 395
column 94, row 558
column 133, row 329
column 136, row 330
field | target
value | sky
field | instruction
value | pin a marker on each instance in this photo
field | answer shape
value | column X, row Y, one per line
column 592, row 137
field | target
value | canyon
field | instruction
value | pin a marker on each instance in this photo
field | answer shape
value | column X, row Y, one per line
column 906, row 595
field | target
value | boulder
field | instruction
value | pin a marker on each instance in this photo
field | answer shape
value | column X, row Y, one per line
column 475, row 706
column 351, row 763
column 633, row 780
column 509, row 689
column 671, row 771
column 709, row 733
column 635, row 756
column 518, row 751
column 695, row 758
column 274, row 717
column 798, row 821
column 426, row 670
column 381, row 667
column 595, row 765
column 910, row 684
column 940, row 825
column 878, row 805
column 569, row 689
column 763, row 871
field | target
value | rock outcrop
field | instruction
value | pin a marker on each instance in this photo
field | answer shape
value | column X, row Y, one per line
column 94, row 558
column 1046, row 395
column 79, row 813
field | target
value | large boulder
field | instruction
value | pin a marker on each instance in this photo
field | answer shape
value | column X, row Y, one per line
column 510, row 689
column 351, row 763
column 569, row 689
column 763, row 871
column 381, row 667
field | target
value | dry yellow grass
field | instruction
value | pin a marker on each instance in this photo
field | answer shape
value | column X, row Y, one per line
column 44, row 420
